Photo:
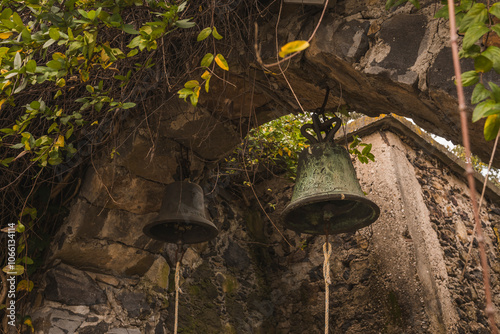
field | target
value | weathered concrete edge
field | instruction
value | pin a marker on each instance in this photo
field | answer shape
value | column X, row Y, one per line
column 399, row 125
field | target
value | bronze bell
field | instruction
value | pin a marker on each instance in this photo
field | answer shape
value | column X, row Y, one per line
column 327, row 198
column 182, row 217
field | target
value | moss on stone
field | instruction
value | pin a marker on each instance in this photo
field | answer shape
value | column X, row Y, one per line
column 230, row 284
column 394, row 308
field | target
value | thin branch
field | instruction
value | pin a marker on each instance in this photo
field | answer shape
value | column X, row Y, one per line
column 490, row 310
column 480, row 203
column 257, row 48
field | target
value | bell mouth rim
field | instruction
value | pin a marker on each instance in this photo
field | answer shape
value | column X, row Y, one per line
column 184, row 219
column 320, row 198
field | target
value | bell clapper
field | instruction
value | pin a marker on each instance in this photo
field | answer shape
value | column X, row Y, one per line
column 327, row 251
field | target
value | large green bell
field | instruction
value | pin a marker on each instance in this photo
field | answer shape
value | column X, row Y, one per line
column 327, row 198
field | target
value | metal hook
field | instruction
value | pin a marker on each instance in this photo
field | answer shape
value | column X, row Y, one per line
column 324, row 125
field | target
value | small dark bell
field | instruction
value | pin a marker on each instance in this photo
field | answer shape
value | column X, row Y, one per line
column 182, row 216
column 327, row 197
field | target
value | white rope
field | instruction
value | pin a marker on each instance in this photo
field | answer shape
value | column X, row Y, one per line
column 177, row 289
column 327, row 251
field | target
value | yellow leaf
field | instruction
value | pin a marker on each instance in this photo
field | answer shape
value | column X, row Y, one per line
column 95, row 123
column 221, row 61
column 60, row 141
column 280, row 152
column 5, row 35
column 293, row 47
column 25, row 285
column 491, row 127
column 2, row 102
column 28, row 323
column 104, row 56
column 197, row 91
column 15, row 270
column 206, row 75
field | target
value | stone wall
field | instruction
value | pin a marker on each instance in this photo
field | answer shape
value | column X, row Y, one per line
column 402, row 274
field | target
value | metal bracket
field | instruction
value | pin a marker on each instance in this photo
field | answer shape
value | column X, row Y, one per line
column 323, row 125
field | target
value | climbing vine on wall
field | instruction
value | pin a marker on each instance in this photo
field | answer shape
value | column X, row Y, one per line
column 71, row 72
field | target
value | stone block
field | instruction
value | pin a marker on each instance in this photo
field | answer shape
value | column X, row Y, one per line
column 158, row 273
column 350, row 40
column 134, row 303
column 100, row 328
column 403, row 33
column 105, row 257
column 208, row 136
column 55, row 321
column 70, row 286
column 441, row 74
column 151, row 161
column 124, row 331
column 113, row 187
column 87, row 222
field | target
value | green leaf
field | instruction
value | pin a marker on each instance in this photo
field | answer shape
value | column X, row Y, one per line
column 27, row 260
column 184, row 93
column 135, row 42
column 496, row 29
column 184, row 24
column 48, row 43
column 221, row 61
column 493, row 54
column 495, row 9
column 54, row 33
column 128, row 105
column 20, row 227
column 194, row 99
column 475, row 32
column 216, row 34
column 482, row 64
column 17, row 61
column 491, row 127
column 31, row 66
column 204, row 34
column 17, row 146
column 480, row 93
column 129, row 29
column 26, row 35
column 192, row 84
column 443, row 12
column 17, row 20
column 35, row 105
column 293, row 47
column 485, row 108
column 207, row 60
column 417, row 6
column 132, row 53
column 54, row 64
column 477, row 14
column 469, row 78
column 366, row 149
column 495, row 91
